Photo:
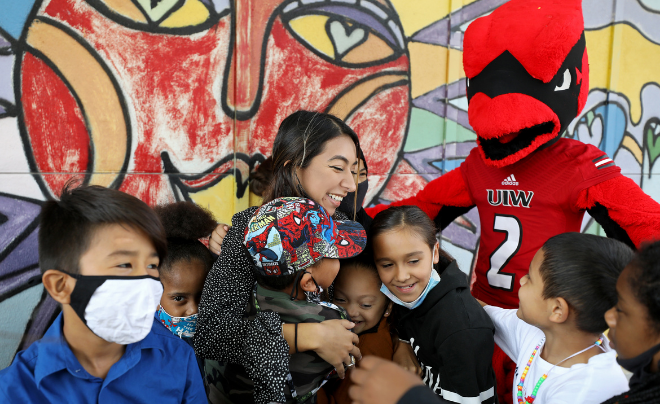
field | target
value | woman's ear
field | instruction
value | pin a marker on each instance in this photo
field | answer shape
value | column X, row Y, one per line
column 559, row 310
column 388, row 309
column 59, row 285
column 436, row 253
column 286, row 163
column 307, row 283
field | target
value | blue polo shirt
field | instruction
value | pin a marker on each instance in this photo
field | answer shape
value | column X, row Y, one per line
column 159, row 369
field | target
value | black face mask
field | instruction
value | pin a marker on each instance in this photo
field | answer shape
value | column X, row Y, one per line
column 637, row 364
column 346, row 205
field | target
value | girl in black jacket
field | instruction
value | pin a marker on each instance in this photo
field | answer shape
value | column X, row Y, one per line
column 451, row 335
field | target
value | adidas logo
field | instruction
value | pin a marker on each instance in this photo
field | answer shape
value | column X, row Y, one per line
column 510, row 180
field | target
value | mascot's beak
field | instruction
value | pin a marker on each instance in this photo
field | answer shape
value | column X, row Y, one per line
column 510, row 126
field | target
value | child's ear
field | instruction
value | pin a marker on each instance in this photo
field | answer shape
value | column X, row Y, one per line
column 388, row 309
column 559, row 310
column 307, row 283
column 59, row 285
column 436, row 253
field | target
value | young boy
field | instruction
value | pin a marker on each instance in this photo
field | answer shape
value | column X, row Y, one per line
column 555, row 337
column 99, row 251
column 294, row 245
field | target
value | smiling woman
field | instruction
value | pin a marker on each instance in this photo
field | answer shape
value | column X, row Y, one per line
column 315, row 157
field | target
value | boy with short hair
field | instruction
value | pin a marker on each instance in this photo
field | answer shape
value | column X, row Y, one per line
column 556, row 335
column 294, row 245
column 99, row 251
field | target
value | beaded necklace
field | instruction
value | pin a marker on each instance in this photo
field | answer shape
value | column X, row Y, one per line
column 530, row 399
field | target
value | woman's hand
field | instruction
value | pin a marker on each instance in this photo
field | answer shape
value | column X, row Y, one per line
column 332, row 340
column 405, row 357
column 215, row 241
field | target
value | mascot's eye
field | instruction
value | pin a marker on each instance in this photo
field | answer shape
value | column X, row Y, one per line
column 297, row 220
column 566, row 81
column 468, row 81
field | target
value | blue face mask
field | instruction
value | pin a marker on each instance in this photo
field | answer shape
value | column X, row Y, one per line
column 434, row 280
column 180, row 326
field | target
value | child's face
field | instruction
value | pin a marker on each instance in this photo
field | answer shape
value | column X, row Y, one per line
column 117, row 250
column 404, row 262
column 631, row 333
column 324, row 271
column 182, row 288
column 533, row 309
column 357, row 290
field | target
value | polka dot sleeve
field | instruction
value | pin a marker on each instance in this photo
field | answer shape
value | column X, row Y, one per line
column 222, row 332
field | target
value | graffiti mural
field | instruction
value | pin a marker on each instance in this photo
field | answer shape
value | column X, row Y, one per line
column 180, row 99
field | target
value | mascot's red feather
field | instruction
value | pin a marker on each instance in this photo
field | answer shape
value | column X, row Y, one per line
column 527, row 79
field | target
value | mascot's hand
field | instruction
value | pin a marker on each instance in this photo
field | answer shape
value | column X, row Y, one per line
column 445, row 198
column 623, row 209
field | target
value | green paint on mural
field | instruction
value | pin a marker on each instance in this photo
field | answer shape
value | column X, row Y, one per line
column 595, row 229
column 428, row 130
column 16, row 312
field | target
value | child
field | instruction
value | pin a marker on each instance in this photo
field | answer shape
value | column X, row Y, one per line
column 99, row 250
column 555, row 336
column 184, row 270
column 635, row 326
column 357, row 290
column 294, row 244
column 450, row 333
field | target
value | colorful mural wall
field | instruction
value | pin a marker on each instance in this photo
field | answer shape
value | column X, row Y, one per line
column 180, row 99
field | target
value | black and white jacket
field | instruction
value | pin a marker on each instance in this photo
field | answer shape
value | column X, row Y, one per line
column 452, row 337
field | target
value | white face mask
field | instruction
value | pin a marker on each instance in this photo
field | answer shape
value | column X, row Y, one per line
column 119, row 309
column 433, row 280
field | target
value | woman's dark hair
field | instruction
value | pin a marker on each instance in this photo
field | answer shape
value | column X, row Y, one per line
column 301, row 137
column 412, row 217
column 583, row 269
column 261, row 177
column 185, row 223
column 645, row 280
column 67, row 226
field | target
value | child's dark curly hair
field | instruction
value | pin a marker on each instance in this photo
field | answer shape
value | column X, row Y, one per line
column 645, row 280
column 185, row 223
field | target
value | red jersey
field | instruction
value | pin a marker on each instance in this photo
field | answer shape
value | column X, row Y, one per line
column 523, row 205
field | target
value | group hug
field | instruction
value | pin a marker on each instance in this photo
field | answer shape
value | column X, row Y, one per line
column 309, row 297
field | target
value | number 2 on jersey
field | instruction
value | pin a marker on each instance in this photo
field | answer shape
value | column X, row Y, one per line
column 510, row 225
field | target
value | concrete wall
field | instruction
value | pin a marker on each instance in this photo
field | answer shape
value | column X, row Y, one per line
column 180, row 99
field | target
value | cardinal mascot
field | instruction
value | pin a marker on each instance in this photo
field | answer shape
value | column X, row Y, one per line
column 527, row 78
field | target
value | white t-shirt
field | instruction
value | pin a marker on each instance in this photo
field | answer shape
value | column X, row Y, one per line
column 597, row 380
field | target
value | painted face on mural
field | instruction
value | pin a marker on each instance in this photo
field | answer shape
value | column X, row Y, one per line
column 140, row 101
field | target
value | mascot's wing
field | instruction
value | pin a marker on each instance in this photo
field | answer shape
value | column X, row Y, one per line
column 443, row 199
column 623, row 209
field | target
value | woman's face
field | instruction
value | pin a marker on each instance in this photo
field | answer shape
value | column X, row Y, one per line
column 631, row 331
column 404, row 262
column 330, row 175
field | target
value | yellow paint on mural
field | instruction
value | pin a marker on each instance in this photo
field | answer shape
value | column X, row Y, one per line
column 311, row 28
column 625, row 68
column 418, row 14
column 220, row 199
column 432, row 66
column 192, row 13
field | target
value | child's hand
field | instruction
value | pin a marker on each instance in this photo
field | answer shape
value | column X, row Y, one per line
column 380, row 382
column 405, row 357
column 215, row 242
column 334, row 342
